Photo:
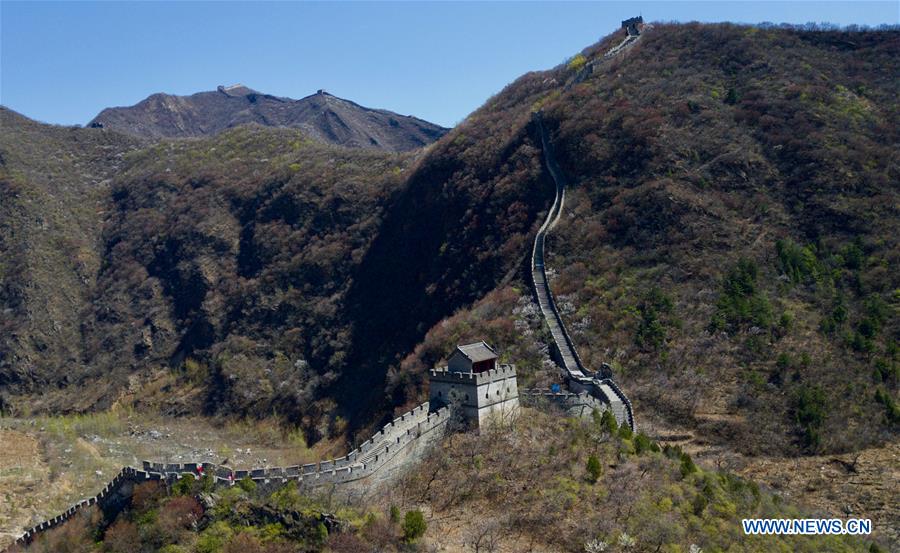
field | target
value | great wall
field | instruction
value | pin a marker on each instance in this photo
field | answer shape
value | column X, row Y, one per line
column 583, row 383
column 634, row 29
column 578, row 378
column 407, row 438
column 400, row 442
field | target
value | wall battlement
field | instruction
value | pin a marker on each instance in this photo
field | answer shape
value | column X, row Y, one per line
column 481, row 398
column 501, row 372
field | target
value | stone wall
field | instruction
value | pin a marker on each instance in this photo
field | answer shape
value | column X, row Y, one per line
column 578, row 378
column 480, row 396
column 581, row 405
column 626, row 43
column 398, row 445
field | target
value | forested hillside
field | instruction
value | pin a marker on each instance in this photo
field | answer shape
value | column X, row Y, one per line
column 259, row 272
column 730, row 242
column 733, row 240
column 54, row 185
column 729, row 245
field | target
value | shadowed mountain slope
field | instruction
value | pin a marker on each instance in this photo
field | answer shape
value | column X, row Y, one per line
column 54, row 185
column 322, row 116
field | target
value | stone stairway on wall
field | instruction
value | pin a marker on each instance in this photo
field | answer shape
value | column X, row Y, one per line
column 578, row 378
column 565, row 347
column 618, row 407
column 622, row 46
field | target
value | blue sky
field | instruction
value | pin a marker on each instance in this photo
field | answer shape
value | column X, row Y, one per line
column 64, row 62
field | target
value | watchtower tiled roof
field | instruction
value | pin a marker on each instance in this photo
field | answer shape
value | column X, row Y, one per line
column 477, row 352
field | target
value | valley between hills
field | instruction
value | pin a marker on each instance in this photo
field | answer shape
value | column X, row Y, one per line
column 182, row 282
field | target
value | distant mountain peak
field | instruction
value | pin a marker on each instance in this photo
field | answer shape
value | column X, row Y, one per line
column 236, row 89
column 322, row 115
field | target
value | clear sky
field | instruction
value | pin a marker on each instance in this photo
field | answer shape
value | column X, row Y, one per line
column 64, row 62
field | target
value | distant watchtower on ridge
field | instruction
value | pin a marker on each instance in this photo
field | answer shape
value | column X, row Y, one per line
column 634, row 25
column 473, row 382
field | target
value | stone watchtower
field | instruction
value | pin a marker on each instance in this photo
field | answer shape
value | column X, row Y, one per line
column 476, row 384
column 634, row 25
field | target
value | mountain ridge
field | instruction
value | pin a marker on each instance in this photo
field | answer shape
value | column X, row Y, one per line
column 322, row 115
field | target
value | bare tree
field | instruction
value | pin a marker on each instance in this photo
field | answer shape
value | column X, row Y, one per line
column 484, row 537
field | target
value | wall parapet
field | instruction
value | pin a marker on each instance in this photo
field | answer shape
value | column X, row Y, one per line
column 569, row 401
column 499, row 373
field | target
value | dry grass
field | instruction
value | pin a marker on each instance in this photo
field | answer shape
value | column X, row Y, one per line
column 49, row 463
column 526, row 488
column 22, row 473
